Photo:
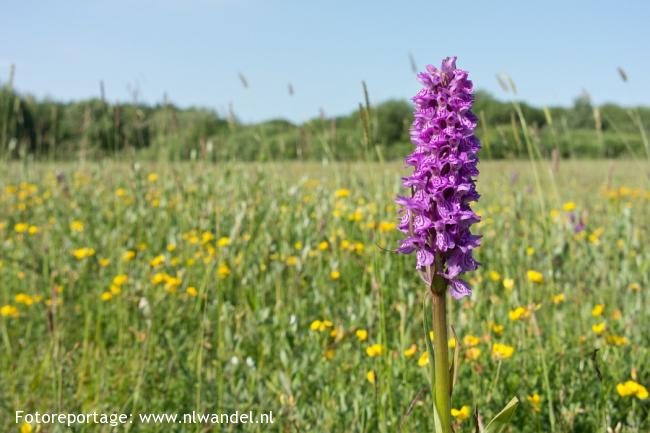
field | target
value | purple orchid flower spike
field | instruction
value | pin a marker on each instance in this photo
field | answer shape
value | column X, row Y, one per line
column 437, row 216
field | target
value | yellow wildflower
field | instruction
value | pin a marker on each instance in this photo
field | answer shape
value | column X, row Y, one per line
column 569, row 206
column 518, row 313
column 343, row 192
column 460, row 414
column 634, row 287
column 356, row 216
column 106, row 296
column 617, row 340
column 320, row 325
column 508, row 283
column 632, row 388
column 157, row 278
column 598, row 310
column 530, row 251
column 496, row 328
column 223, row 271
column 471, row 340
column 410, row 351
column 9, row 311
column 335, row 275
column 24, row 299
column 326, row 324
column 291, row 261
column 495, row 276
column 120, row 279
column 558, row 299
column 128, row 255
column 371, row 376
column 223, row 242
column 152, row 177
column 192, row 291
column 157, row 261
column 451, row 343
column 206, row 237
column 599, row 328
column 594, row 237
column 473, row 353
column 375, row 350
column 26, row 428
column 361, row 334
column 502, row 351
column 172, row 284
column 424, row 359
column 21, row 227
column 82, row 253
column 77, row 226
column 534, row 276
column 386, row 226
column 535, row 400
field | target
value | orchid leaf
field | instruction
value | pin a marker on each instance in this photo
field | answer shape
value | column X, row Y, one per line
column 426, row 322
column 437, row 425
column 502, row 419
column 455, row 363
column 427, row 330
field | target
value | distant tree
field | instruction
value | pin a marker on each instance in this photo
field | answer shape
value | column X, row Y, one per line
column 582, row 115
column 393, row 119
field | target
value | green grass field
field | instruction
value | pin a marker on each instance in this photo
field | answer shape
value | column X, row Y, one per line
column 187, row 287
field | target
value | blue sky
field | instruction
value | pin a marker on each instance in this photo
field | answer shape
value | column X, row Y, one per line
column 194, row 50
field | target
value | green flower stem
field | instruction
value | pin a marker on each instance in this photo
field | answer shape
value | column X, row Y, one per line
column 442, row 398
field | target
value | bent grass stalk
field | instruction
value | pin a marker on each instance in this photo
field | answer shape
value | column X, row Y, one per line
column 531, row 153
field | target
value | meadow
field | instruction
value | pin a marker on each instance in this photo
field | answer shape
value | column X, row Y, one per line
column 142, row 287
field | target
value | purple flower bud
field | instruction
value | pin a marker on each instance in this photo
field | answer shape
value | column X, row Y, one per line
column 514, row 177
column 580, row 226
column 437, row 216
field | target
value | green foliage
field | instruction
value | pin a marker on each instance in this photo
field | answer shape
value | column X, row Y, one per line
column 243, row 341
column 94, row 128
column 501, row 421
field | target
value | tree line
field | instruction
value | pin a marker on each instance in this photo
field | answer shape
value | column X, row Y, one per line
column 95, row 128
